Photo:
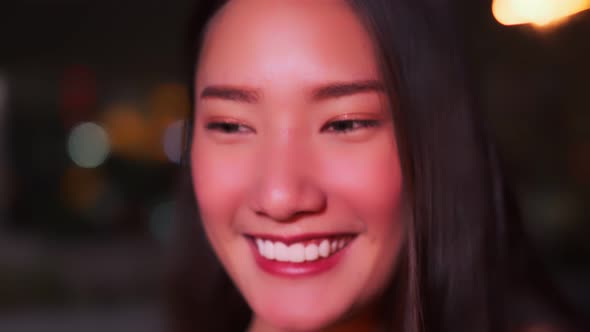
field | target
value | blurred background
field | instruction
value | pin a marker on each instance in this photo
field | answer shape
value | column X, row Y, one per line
column 92, row 100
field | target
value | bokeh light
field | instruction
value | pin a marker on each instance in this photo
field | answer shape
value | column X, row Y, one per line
column 168, row 103
column 538, row 12
column 150, row 131
column 172, row 141
column 169, row 99
column 88, row 145
column 81, row 187
column 127, row 129
column 78, row 94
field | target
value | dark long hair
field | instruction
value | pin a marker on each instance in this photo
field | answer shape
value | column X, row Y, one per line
column 466, row 266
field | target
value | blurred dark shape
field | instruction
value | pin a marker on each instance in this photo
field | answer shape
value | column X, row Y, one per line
column 78, row 95
column 81, row 238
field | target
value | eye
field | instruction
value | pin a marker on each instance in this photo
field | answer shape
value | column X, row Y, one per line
column 227, row 127
column 349, row 125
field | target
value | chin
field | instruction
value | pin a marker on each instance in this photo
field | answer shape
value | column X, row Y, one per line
column 299, row 323
column 296, row 319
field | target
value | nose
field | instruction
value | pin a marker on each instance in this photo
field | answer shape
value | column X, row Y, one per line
column 285, row 188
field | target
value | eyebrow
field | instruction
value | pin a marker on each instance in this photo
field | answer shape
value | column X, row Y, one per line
column 343, row 89
column 231, row 93
column 328, row 91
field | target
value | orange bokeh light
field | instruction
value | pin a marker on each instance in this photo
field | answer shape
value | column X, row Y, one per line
column 537, row 12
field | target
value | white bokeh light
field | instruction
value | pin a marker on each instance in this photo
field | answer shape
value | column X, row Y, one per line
column 88, row 145
column 172, row 141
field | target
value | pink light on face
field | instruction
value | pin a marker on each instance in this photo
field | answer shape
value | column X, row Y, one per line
column 293, row 136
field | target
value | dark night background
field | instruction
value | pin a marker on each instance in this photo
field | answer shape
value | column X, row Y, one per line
column 83, row 238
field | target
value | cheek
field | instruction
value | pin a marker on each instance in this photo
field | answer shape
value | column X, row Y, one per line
column 220, row 179
column 366, row 182
column 369, row 179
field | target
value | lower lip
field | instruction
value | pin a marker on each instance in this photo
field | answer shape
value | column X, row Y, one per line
column 303, row 269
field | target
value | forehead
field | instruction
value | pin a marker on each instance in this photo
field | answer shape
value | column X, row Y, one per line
column 286, row 42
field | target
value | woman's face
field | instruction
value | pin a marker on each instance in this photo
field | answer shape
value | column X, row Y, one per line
column 294, row 160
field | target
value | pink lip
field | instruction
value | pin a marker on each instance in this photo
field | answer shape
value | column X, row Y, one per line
column 294, row 270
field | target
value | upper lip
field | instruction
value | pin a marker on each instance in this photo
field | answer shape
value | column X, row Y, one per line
column 299, row 237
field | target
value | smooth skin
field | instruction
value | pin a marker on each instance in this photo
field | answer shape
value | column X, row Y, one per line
column 293, row 134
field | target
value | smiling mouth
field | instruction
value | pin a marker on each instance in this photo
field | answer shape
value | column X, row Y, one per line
column 303, row 250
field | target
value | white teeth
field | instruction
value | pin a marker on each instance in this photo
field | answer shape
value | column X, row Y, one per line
column 324, row 249
column 281, row 252
column 260, row 245
column 296, row 253
column 311, row 252
column 269, row 250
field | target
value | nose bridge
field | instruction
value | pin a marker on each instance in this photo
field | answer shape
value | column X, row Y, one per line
column 285, row 148
column 285, row 187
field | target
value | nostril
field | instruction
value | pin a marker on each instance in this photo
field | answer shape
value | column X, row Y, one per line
column 288, row 206
column 282, row 215
column 284, row 191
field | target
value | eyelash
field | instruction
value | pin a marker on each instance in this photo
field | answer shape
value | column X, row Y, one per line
column 228, row 127
column 337, row 126
column 349, row 125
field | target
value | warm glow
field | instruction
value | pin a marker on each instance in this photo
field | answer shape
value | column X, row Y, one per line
column 153, row 134
column 82, row 187
column 538, row 12
column 127, row 129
